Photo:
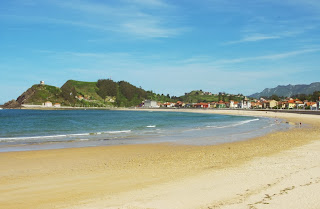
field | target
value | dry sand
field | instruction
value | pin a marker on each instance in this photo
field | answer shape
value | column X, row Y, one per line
column 279, row 170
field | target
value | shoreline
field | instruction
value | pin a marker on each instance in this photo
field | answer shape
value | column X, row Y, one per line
column 49, row 178
column 298, row 111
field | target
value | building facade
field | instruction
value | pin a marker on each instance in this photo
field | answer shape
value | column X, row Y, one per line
column 150, row 104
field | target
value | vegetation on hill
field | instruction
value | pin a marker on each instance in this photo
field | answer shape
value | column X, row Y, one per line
column 310, row 97
column 78, row 93
column 106, row 92
column 200, row 96
column 85, row 89
column 107, row 87
column 39, row 94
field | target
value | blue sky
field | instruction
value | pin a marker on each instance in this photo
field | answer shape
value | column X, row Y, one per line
column 165, row 46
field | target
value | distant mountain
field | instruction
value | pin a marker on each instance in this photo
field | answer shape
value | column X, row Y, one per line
column 289, row 90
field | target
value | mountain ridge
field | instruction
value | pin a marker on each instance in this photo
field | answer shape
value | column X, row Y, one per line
column 288, row 90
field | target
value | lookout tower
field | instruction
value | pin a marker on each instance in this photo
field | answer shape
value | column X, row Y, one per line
column 41, row 82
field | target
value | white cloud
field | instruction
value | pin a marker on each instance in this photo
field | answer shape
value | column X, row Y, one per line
column 152, row 3
column 130, row 18
column 254, row 38
column 269, row 57
column 149, row 28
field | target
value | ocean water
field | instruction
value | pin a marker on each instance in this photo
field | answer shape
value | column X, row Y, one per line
column 39, row 129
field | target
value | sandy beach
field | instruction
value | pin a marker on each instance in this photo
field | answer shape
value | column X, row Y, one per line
column 279, row 170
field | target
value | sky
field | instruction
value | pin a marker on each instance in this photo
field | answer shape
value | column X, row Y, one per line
column 169, row 47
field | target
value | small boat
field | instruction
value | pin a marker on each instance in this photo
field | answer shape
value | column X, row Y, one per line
column 1, row 108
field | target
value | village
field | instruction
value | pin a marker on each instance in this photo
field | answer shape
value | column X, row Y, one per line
column 226, row 101
column 246, row 103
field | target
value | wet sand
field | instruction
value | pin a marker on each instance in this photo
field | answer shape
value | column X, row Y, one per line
column 273, row 171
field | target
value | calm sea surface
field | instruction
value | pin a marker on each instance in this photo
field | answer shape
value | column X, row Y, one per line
column 37, row 129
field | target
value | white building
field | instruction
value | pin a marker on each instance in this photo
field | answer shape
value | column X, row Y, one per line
column 57, row 105
column 41, row 82
column 150, row 104
column 48, row 104
column 232, row 104
column 244, row 104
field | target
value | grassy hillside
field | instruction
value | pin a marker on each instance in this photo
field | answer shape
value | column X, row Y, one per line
column 79, row 93
column 200, row 96
column 88, row 89
column 39, row 94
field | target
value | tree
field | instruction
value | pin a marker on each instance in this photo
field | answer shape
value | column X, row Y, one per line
column 315, row 96
column 220, row 96
column 107, row 87
column 69, row 93
column 275, row 97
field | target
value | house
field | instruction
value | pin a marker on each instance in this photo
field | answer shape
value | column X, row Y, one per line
column 311, row 105
column 150, row 104
column 41, row 82
column 233, row 104
column 48, row 104
column 290, row 104
column 80, row 97
column 169, row 104
column 282, row 104
column 221, row 104
column 180, row 104
column 202, row 105
column 269, row 104
column 213, row 104
column 57, row 105
column 244, row 104
column 299, row 104
column 188, row 105
column 256, row 105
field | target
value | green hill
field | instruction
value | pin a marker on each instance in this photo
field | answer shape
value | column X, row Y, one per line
column 85, row 88
column 102, row 93
column 201, row 96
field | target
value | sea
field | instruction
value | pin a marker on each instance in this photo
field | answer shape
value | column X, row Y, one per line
column 22, row 130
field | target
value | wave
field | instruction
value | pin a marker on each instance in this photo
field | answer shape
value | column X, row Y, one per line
column 151, row 126
column 31, row 137
column 236, row 124
column 116, row 132
column 61, row 135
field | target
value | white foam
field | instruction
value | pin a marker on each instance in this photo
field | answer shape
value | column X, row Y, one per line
column 60, row 136
column 31, row 137
column 85, row 134
column 116, row 132
column 236, row 124
column 151, row 126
